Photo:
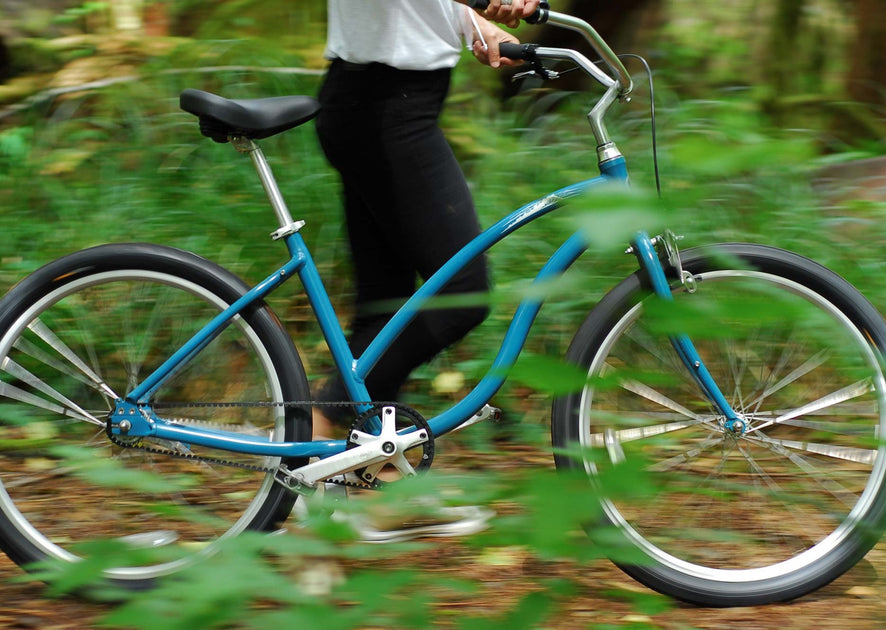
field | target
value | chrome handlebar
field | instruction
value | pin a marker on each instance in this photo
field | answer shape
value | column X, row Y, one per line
column 620, row 75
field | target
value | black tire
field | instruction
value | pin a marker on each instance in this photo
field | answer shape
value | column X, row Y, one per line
column 778, row 511
column 84, row 330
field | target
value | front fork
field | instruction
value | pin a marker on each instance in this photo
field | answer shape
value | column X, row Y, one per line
column 647, row 253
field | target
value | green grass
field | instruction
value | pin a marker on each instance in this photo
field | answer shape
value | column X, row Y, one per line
column 125, row 164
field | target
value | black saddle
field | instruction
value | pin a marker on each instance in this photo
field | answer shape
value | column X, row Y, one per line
column 254, row 119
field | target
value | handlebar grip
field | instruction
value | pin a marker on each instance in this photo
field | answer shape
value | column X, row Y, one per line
column 478, row 4
column 526, row 52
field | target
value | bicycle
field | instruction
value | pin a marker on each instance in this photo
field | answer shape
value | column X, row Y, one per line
column 763, row 438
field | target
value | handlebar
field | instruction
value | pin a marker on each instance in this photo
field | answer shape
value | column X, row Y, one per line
column 619, row 74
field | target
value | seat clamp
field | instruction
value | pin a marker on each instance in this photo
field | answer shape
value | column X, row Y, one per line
column 242, row 143
column 286, row 230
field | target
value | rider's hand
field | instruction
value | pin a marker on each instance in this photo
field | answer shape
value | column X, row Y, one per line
column 493, row 36
column 510, row 12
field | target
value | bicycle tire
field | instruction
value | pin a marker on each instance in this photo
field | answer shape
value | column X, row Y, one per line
column 83, row 330
column 736, row 520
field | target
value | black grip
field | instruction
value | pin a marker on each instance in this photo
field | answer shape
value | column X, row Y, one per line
column 525, row 52
column 478, row 4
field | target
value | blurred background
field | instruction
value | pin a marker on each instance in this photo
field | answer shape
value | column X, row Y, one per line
column 771, row 127
column 770, row 121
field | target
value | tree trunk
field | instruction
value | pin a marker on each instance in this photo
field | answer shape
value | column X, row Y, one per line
column 5, row 62
column 867, row 73
column 783, row 46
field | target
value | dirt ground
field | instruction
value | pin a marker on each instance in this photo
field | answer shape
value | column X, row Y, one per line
column 602, row 600
column 856, row 601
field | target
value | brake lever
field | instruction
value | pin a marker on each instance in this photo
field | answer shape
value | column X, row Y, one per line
column 537, row 70
column 545, row 75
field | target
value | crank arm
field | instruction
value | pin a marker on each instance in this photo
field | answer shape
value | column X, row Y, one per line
column 369, row 450
column 305, row 478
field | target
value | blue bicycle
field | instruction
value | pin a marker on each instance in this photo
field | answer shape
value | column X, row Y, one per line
column 153, row 391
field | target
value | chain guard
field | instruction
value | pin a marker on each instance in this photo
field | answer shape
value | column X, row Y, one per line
column 156, row 448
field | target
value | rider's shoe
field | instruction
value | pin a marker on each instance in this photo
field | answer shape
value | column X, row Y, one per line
column 440, row 521
column 376, row 524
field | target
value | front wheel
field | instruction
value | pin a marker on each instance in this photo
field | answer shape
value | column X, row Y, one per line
column 82, row 332
column 737, row 519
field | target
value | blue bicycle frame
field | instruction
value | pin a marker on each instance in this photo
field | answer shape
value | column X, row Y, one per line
column 135, row 417
column 142, row 421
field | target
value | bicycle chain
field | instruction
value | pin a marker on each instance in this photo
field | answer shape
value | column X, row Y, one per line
column 138, row 445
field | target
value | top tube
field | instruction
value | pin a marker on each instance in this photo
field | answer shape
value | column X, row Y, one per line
column 612, row 171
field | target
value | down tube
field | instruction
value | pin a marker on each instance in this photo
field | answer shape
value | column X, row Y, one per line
column 524, row 316
column 513, row 342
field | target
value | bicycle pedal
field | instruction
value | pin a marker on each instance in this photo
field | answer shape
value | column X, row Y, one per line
column 488, row 412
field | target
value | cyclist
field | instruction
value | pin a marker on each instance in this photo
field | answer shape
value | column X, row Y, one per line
column 407, row 205
column 408, row 208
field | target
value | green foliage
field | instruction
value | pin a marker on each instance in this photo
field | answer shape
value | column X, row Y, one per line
column 73, row 14
column 113, row 473
column 125, row 164
column 306, row 578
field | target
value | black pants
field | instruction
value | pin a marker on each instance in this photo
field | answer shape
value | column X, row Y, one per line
column 407, row 207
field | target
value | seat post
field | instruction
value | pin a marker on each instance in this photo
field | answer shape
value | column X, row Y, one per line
column 284, row 218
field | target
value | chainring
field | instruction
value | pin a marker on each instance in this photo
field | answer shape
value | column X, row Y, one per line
column 405, row 417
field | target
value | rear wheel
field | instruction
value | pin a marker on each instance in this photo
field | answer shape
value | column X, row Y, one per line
column 737, row 519
column 82, row 332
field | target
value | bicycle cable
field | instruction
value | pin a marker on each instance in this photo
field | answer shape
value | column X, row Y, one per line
column 651, row 116
column 648, row 69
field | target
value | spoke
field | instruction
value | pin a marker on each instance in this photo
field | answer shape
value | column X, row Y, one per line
column 38, row 478
column 692, row 453
column 42, row 331
column 31, row 350
column 99, row 439
column 840, row 396
column 24, row 375
column 683, row 506
column 638, row 433
column 652, row 395
column 842, row 494
column 832, row 427
column 663, row 355
column 143, row 332
column 15, row 393
column 846, row 453
column 776, row 491
column 805, row 368
column 773, row 486
column 738, row 367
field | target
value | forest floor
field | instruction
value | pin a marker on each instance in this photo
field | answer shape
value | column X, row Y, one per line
column 602, row 597
column 855, row 601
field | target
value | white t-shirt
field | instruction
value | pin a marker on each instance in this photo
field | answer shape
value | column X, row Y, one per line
column 405, row 34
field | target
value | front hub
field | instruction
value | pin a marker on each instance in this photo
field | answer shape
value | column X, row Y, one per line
column 735, row 426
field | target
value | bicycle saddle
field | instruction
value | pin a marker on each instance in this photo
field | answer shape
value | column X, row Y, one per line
column 256, row 118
